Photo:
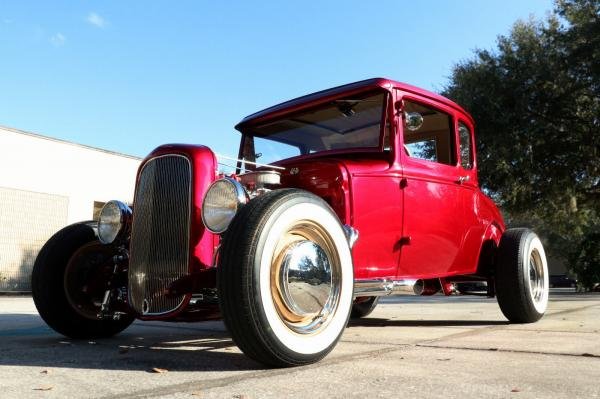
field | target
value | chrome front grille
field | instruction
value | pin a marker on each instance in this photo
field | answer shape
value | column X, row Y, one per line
column 159, row 250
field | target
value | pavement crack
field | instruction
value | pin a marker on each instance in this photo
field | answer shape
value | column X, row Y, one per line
column 483, row 330
column 529, row 352
column 371, row 343
column 554, row 331
column 221, row 382
column 573, row 310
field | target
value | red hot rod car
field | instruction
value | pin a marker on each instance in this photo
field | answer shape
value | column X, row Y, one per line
column 338, row 198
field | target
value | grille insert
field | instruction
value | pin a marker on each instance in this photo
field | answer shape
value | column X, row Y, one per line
column 159, row 250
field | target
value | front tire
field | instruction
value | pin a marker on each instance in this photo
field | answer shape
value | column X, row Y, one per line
column 285, row 279
column 71, row 308
column 522, row 276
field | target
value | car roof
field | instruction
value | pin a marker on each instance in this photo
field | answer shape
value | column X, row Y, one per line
column 309, row 100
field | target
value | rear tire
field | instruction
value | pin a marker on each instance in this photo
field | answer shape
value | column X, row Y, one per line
column 364, row 306
column 285, row 278
column 49, row 289
column 522, row 276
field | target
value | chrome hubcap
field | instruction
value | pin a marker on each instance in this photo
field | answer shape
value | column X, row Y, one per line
column 536, row 277
column 305, row 278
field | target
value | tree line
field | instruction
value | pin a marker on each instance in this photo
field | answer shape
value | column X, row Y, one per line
column 536, row 101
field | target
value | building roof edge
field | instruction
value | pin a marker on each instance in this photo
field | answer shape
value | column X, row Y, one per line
column 89, row 147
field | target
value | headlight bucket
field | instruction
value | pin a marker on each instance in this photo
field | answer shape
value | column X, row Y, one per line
column 114, row 222
column 221, row 202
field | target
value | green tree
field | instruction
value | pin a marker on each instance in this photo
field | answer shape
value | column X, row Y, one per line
column 536, row 102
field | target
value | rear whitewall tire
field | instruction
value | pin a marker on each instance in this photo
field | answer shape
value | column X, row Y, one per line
column 522, row 280
column 539, row 295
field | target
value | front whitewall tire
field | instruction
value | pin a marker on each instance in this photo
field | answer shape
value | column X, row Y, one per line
column 285, row 278
column 320, row 340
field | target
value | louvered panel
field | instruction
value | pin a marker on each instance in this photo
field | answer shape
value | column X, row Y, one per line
column 159, row 250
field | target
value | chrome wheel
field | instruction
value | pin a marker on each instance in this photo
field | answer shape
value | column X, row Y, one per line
column 305, row 278
column 537, row 278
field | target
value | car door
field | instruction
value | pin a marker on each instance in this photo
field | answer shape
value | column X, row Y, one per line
column 433, row 222
column 475, row 226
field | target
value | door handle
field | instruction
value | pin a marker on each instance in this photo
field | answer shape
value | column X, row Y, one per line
column 463, row 179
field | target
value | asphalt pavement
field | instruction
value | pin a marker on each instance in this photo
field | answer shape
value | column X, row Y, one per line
column 420, row 347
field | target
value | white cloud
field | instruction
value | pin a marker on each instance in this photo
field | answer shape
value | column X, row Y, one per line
column 96, row 20
column 58, row 39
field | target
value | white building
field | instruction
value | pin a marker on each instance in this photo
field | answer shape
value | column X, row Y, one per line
column 46, row 184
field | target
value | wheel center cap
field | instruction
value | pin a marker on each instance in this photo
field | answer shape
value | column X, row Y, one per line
column 305, row 278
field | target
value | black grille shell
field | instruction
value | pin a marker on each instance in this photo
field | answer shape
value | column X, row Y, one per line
column 159, row 250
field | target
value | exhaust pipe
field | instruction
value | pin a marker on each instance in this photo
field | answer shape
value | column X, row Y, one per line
column 385, row 287
column 427, row 287
column 382, row 287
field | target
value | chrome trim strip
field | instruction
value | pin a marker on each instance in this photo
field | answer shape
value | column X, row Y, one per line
column 240, row 191
column 383, row 287
column 248, row 162
column 216, row 255
column 351, row 235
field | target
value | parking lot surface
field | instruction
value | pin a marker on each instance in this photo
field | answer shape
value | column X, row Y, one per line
column 451, row 347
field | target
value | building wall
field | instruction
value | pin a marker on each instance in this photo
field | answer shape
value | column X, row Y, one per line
column 46, row 184
column 27, row 219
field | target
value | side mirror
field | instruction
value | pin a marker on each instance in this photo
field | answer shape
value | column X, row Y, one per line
column 413, row 121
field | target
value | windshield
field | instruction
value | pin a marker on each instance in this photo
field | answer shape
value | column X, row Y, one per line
column 345, row 123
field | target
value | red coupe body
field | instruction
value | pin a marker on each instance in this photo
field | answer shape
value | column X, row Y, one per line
column 417, row 218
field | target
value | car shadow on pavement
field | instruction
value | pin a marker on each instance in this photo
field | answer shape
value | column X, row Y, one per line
column 26, row 341
column 378, row 322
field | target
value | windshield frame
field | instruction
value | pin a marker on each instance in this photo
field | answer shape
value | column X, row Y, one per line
column 386, row 121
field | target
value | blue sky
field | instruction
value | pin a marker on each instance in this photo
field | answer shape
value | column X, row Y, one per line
column 129, row 76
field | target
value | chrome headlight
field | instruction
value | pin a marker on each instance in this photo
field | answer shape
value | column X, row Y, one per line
column 221, row 202
column 114, row 222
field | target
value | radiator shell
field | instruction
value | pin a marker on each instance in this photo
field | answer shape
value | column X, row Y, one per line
column 168, row 239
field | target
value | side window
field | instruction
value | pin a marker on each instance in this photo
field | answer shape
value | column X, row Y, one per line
column 428, row 134
column 466, row 157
